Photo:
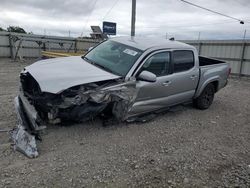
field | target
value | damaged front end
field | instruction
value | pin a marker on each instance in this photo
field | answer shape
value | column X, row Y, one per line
column 35, row 109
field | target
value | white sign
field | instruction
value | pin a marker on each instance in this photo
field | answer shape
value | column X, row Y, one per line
column 130, row 52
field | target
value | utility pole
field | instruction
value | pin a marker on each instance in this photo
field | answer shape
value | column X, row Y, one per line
column 133, row 18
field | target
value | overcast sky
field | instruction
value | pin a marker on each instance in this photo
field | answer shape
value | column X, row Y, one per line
column 153, row 17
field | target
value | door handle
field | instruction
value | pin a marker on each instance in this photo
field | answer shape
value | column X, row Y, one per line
column 166, row 83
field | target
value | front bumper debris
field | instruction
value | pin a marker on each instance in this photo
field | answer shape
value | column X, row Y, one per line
column 24, row 140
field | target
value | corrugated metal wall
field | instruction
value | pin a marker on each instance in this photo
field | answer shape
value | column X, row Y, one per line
column 30, row 46
column 236, row 52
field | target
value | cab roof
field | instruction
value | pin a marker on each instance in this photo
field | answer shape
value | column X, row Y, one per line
column 144, row 43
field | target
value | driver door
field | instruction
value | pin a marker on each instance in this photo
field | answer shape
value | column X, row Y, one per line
column 152, row 95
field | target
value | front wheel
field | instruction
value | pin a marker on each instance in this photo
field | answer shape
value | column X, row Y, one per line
column 206, row 98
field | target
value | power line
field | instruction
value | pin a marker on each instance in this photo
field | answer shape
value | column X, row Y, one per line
column 115, row 2
column 188, row 26
column 241, row 21
column 87, row 20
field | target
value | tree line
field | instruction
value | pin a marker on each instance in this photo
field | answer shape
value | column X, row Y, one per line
column 15, row 29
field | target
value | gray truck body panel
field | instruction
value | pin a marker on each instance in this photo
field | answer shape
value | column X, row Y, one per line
column 57, row 75
column 95, row 89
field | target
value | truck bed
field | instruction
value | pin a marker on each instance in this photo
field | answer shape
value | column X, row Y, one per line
column 212, row 70
column 204, row 61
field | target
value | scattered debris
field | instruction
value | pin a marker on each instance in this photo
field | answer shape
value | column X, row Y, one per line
column 24, row 142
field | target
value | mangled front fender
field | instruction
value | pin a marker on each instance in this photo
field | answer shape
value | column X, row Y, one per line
column 83, row 105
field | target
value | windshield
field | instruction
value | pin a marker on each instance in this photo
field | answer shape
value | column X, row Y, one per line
column 113, row 57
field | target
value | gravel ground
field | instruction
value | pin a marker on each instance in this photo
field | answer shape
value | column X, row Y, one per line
column 184, row 147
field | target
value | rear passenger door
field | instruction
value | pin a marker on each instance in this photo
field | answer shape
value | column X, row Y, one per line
column 184, row 77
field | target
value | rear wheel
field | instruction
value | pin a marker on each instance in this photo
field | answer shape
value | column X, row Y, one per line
column 206, row 98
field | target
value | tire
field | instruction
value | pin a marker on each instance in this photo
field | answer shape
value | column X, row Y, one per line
column 206, row 98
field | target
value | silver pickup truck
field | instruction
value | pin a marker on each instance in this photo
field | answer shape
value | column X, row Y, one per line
column 121, row 78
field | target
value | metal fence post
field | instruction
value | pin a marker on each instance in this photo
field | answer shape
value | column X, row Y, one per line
column 11, row 46
column 17, row 50
column 242, row 58
column 44, row 46
column 75, row 45
column 199, row 48
column 242, row 52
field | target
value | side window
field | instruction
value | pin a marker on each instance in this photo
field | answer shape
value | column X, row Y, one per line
column 182, row 60
column 158, row 64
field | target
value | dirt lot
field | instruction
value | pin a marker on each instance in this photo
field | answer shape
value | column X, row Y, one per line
column 184, row 147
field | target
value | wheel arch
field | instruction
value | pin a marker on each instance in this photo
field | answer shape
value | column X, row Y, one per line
column 213, row 80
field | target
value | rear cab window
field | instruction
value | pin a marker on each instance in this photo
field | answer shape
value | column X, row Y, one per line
column 182, row 60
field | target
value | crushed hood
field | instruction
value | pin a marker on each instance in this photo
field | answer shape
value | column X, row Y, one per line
column 56, row 75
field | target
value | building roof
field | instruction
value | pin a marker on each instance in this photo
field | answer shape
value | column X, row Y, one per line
column 144, row 43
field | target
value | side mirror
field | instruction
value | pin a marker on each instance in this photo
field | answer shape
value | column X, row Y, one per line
column 147, row 76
